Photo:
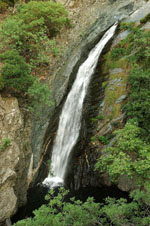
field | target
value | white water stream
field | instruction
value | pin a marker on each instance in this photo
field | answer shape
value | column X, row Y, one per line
column 70, row 118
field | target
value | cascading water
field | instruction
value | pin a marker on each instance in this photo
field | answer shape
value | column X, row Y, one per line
column 70, row 119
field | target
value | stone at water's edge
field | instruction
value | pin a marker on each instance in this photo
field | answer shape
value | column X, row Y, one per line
column 14, row 159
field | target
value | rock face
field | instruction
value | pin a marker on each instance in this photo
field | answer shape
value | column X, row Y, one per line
column 15, row 153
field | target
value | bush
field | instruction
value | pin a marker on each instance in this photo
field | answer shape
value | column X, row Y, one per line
column 1, row 83
column 26, row 42
column 39, row 94
column 93, row 139
column 60, row 213
column 116, row 53
column 103, row 139
column 30, row 29
column 15, row 71
column 129, row 155
column 5, row 143
column 77, row 213
column 139, row 98
column 51, row 15
column 100, row 117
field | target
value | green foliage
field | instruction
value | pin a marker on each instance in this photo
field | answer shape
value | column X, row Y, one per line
column 129, row 155
column 145, row 19
column 26, row 41
column 77, row 213
column 103, row 139
column 127, row 26
column 1, row 83
column 139, row 98
column 104, row 84
column 120, row 212
column 30, row 29
column 116, row 53
column 93, row 120
column 39, row 94
column 5, row 143
column 100, row 117
column 59, row 213
column 15, row 71
column 52, row 15
column 93, row 139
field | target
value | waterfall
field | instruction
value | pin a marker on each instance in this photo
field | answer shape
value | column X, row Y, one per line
column 70, row 118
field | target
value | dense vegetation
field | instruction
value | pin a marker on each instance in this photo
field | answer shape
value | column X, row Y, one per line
column 27, row 38
column 89, row 213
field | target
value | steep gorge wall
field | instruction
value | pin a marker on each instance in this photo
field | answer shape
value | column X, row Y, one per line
column 14, row 158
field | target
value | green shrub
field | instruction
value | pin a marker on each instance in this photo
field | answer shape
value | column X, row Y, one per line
column 93, row 139
column 15, row 71
column 93, row 120
column 60, row 213
column 100, row 117
column 89, row 213
column 30, row 29
column 39, row 94
column 53, row 16
column 103, row 139
column 1, row 83
column 116, row 53
column 127, row 26
column 139, row 98
column 26, row 41
column 5, row 143
column 129, row 155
